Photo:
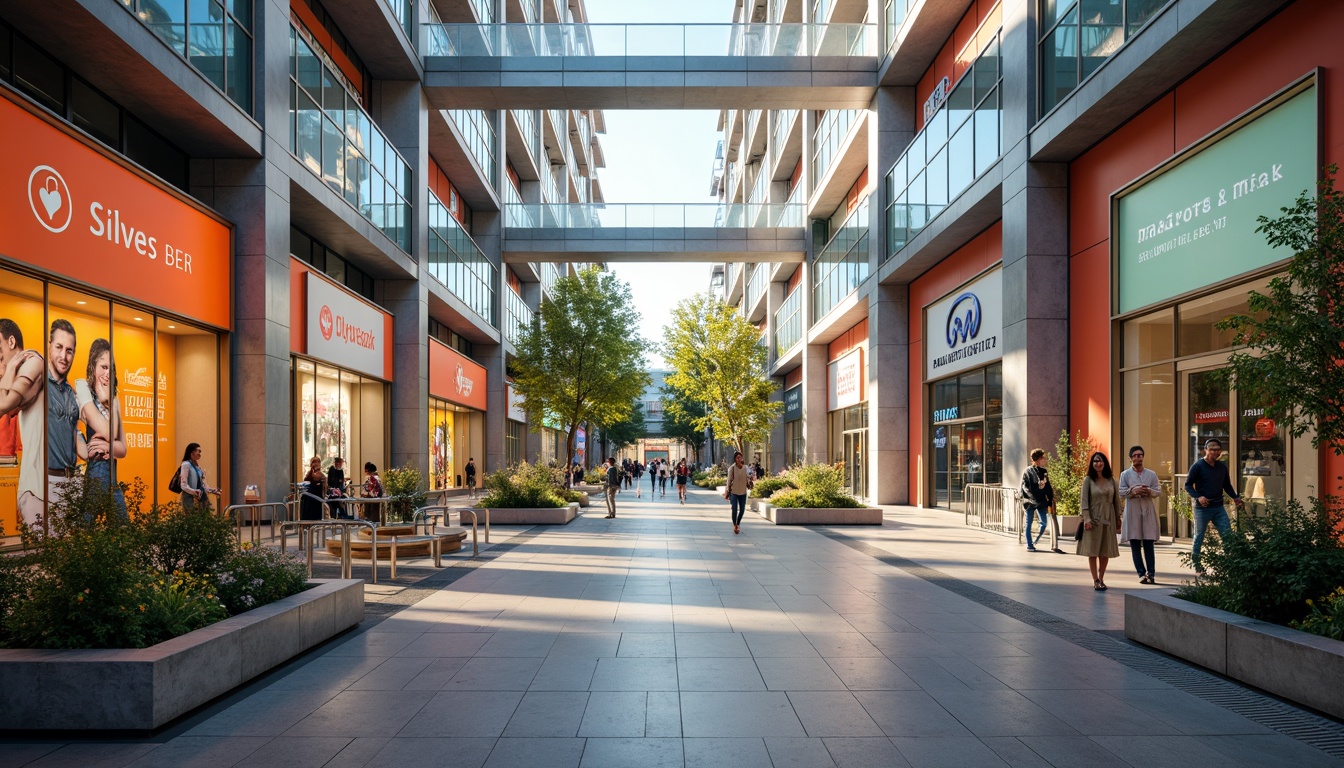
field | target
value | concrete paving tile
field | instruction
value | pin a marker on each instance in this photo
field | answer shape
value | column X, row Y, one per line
column 1186, row 713
column 864, row 753
column 947, row 752
column 624, row 753
column 564, row 673
column 663, row 715
column 707, row 644
column 842, row 644
column 779, row 644
column 719, row 674
column 904, row 645
column 392, row 675
column 373, row 644
column 1029, row 673
column 585, row 644
column 1182, row 751
column 713, row 753
column 296, row 752
column 738, row 714
column 359, row 752
column 200, row 752
column 517, row 644
column 327, row 673
column 647, row 644
column 1270, row 749
column 536, row 753
column 929, row 675
column 269, row 712
column 113, row 755
column 362, row 713
column 457, row 714
column 495, row 674
column 403, row 752
column 871, row 674
column 798, row 753
column 1105, row 714
column 615, row 714
column 1072, row 751
column 1001, row 713
column 832, row 713
column 909, row 713
column 19, row 754
column 635, row 674
column 445, row 644
column 555, row 714
column 799, row 674
column 436, row 674
column 969, row 674
column 1016, row 754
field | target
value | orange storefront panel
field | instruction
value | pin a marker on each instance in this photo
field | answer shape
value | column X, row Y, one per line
column 456, row 377
column 75, row 210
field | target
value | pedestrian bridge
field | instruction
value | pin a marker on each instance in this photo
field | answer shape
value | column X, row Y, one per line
column 655, row 231
column 650, row 66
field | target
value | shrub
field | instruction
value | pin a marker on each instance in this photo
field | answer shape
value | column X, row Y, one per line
column 255, row 577
column 177, row 604
column 402, row 486
column 767, row 486
column 710, row 478
column 815, row 486
column 595, row 476
column 190, row 539
column 1277, row 561
column 1067, row 468
column 523, row 486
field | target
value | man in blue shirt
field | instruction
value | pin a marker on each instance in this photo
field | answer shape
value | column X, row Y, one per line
column 1207, row 480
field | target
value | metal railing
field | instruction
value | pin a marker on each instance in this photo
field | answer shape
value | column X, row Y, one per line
column 459, row 264
column 517, row 316
column 655, row 215
column 989, row 505
column 756, row 284
column 650, row 39
column 789, row 323
column 842, row 265
column 257, row 514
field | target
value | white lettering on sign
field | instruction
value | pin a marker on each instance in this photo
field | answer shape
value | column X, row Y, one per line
column 962, row 330
column 936, row 98
column 343, row 329
column 846, row 381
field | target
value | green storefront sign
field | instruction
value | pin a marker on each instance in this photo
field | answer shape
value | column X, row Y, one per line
column 1193, row 224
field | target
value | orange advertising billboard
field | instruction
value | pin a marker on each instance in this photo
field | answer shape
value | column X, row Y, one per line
column 74, row 209
column 455, row 377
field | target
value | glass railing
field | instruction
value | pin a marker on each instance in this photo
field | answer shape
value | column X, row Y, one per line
column 760, row 183
column 215, row 38
column 550, row 179
column 528, row 126
column 651, row 39
column 842, row 265
column 794, row 209
column 559, row 123
column 961, row 140
column 893, row 18
column 332, row 136
column 780, row 131
column 404, row 10
column 456, row 262
column 654, row 215
column 829, row 134
column 517, row 316
column 789, row 323
column 733, row 269
column 549, row 274
column 478, row 132
column 756, row 284
column 515, row 213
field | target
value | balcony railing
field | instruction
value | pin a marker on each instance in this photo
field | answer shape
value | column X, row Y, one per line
column 794, row 209
column 830, row 133
column 651, row 39
column 961, row 141
column 404, row 10
column 842, row 265
column 517, row 316
column 655, row 215
column 893, row 18
column 780, row 130
column 756, row 285
column 332, row 136
column 478, row 131
column 456, row 262
column 515, row 213
column 789, row 323
column 527, row 125
column 549, row 274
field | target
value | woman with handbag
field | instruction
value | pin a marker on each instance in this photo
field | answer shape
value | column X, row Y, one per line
column 191, row 479
column 1099, row 505
column 310, row 508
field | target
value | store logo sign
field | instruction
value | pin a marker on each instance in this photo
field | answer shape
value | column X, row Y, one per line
column 324, row 322
column 936, row 99
column 793, row 403
column 963, row 327
column 140, row 377
column 49, row 198
column 846, row 381
column 972, row 322
column 344, row 330
column 464, row 383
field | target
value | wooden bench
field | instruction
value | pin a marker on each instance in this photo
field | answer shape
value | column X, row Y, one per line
column 402, row 541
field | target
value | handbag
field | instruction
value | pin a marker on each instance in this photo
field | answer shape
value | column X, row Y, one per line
column 175, row 484
column 1078, row 534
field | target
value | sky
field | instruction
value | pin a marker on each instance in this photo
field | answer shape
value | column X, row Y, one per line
column 659, row 156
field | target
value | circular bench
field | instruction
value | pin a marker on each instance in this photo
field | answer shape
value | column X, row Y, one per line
column 409, row 543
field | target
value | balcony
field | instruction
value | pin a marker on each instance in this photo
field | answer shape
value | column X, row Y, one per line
column 517, row 316
column 457, row 263
column 754, row 293
column 788, row 323
column 842, row 265
column 478, row 134
column 827, row 138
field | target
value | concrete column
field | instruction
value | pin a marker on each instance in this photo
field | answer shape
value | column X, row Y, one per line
column 816, row 421
column 1035, row 261
column 888, row 394
column 496, row 409
column 531, row 439
column 894, row 109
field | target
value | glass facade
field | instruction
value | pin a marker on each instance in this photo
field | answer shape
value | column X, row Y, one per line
column 849, row 446
column 477, row 127
column 789, row 322
column 455, row 435
column 967, row 429
column 1079, row 35
column 794, row 446
column 842, row 265
column 332, row 264
column 214, row 37
column 457, row 263
column 513, row 442
column 831, row 130
column 338, row 413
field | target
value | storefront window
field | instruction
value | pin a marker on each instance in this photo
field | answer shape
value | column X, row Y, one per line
column 1199, row 318
column 337, row 413
column 794, row 447
column 455, row 435
column 1149, row 339
column 967, row 433
column 513, row 442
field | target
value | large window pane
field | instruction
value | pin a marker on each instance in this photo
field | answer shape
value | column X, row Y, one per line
column 971, row 395
column 1149, row 402
column 187, row 400
column 23, row 426
column 1149, row 338
column 1198, row 319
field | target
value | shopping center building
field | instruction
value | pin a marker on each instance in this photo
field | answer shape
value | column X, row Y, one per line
column 962, row 226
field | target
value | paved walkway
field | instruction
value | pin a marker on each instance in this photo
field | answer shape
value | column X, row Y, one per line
column 659, row 638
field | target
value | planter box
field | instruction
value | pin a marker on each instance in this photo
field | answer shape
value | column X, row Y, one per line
column 1299, row 666
column 816, row 516
column 143, row 688
column 539, row 516
column 584, row 500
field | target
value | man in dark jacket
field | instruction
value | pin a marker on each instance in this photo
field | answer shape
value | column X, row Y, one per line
column 612, row 485
column 1038, row 497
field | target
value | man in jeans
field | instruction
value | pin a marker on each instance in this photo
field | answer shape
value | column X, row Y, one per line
column 612, row 485
column 1038, row 496
column 1207, row 480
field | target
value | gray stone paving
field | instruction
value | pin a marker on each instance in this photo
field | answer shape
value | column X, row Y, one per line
column 662, row 639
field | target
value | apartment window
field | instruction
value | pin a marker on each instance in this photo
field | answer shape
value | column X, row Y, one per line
column 457, row 262
column 330, row 263
column 450, row 337
column 1079, row 35
column 214, row 37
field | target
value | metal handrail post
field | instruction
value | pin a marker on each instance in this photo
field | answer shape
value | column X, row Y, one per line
column 445, row 510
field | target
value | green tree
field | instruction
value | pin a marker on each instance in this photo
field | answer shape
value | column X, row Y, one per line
column 1066, row 470
column 717, row 359
column 1293, row 336
column 682, row 420
column 580, row 359
column 627, row 431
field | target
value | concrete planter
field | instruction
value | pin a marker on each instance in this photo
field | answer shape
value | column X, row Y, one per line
column 143, row 688
column 584, row 499
column 537, row 516
column 816, row 516
column 1299, row 666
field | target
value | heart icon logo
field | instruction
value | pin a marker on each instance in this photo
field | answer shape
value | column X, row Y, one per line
column 324, row 322
column 49, row 197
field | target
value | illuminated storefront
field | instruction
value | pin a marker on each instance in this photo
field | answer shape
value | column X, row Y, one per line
column 846, row 390
column 457, row 399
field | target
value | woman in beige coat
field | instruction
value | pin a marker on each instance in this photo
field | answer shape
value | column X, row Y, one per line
column 1101, row 518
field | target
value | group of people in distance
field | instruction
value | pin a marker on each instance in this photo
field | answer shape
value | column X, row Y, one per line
column 1127, row 507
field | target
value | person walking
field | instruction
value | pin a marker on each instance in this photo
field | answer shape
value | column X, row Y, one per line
column 653, row 477
column 1038, row 496
column 1101, row 518
column 735, row 492
column 1207, row 480
column 612, row 486
column 336, row 486
column 639, row 473
column 192, row 478
column 1139, row 488
column 662, row 478
column 683, row 476
column 470, row 470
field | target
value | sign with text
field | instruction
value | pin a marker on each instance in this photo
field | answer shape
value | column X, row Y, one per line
column 846, row 381
column 793, row 403
column 964, row 330
column 1193, row 223
column 516, row 410
column 455, row 377
column 344, row 330
column 73, row 210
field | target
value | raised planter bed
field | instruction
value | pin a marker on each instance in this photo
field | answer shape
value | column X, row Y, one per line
column 539, row 516
column 143, row 688
column 1298, row 666
column 816, row 516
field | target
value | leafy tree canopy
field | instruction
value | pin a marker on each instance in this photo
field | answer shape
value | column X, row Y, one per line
column 627, row 431
column 581, row 359
column 717, row 359
column 682, row 420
